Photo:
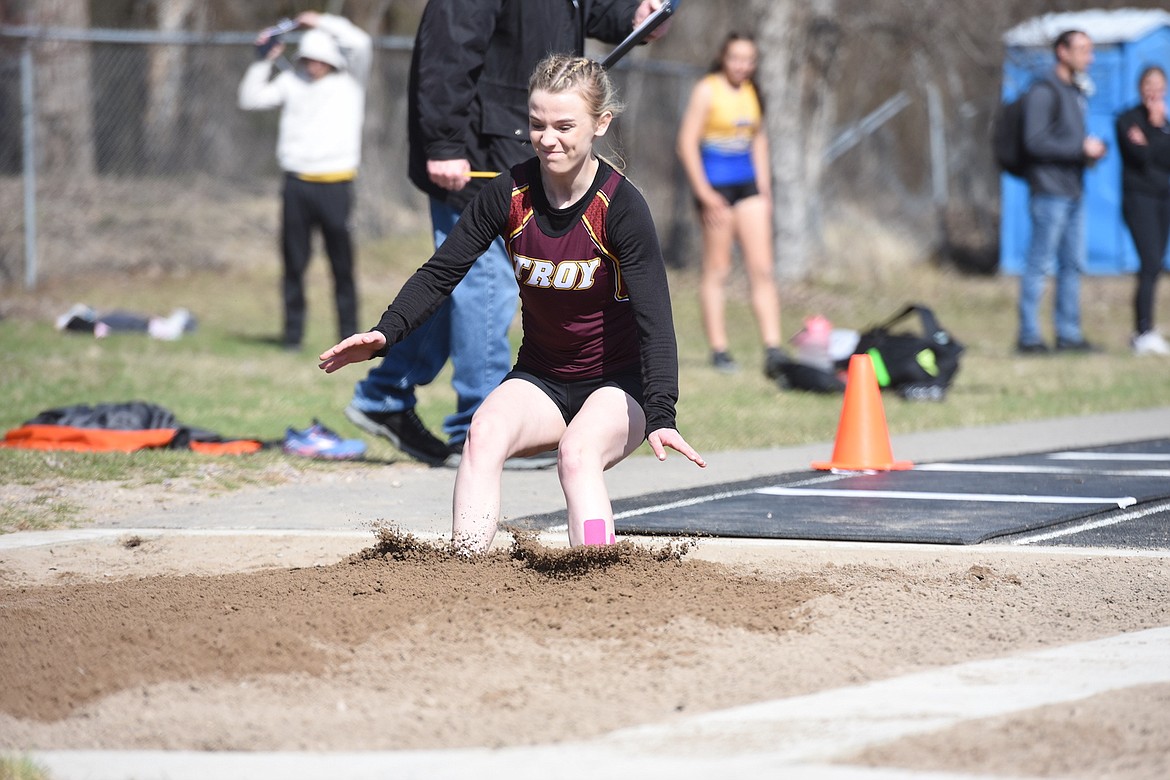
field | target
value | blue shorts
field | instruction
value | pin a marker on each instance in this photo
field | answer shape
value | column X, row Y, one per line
column 570, row 396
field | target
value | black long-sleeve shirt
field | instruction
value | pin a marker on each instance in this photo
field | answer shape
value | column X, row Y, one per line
column 593, row 288
column 1144, row 168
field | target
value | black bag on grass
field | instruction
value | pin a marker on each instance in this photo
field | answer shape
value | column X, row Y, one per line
column 794, row 375
column 919, row 365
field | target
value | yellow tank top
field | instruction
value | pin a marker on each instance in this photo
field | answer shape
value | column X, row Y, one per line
column 733, row 117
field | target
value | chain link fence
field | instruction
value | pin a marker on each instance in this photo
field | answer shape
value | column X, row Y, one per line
column 124, row 150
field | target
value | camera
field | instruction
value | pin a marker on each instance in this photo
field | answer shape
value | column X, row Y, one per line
column 274, row 35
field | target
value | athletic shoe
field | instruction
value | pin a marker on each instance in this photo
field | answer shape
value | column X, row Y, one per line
column 540, row 460
column 404, row 430
column 724, row 363
column 171, row 328
column 1081, row 345
column 1032, row 348
column 1150, row 343
column 317, row 441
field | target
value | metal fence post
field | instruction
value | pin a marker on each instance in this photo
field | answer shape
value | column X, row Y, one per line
column 29, row 145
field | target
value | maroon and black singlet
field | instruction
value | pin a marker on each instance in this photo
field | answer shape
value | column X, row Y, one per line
column 593, row 289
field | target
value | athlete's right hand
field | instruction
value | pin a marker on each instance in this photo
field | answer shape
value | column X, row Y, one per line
column 358, row 348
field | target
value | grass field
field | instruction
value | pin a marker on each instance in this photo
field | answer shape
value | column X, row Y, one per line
column 229, row 376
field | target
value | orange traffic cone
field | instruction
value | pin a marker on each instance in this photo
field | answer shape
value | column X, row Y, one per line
column 863, row 441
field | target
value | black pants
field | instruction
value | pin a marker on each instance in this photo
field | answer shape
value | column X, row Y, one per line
column 1148, row 220
column 326, row 206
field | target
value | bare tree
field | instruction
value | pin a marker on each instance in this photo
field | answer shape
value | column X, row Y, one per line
column 165, row 75
column 799, row 40
column 63, row 93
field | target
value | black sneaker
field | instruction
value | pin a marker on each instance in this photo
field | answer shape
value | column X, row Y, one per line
column 1065, row 345
column 724, row 363
column 540, row 460
column 1032, row 348
column 404, row 430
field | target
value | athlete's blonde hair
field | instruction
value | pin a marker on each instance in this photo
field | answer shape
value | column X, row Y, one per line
column 559, row 73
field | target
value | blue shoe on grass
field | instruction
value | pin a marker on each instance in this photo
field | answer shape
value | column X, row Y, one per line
column 317, row 441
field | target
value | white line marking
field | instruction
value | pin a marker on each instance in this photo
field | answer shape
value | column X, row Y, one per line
column 1119, row 501
column 1089, row 525
column 1011, row 468
column 1131, row 456
column 711, row 497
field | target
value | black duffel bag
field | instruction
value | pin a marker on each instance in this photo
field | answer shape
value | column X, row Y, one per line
column 917, row 365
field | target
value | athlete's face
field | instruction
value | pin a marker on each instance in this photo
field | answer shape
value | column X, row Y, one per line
column 561, row 129
column 739, row 61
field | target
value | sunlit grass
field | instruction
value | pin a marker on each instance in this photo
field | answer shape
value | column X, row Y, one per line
column 21, row 768
column 230, row 377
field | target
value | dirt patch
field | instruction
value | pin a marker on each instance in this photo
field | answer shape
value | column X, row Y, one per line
column 169, row 643
column 1049, row 741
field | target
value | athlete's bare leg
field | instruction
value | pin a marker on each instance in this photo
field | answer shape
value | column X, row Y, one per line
column 717, row 239
column 753, row 226
column 609, row 427
column 516, row 418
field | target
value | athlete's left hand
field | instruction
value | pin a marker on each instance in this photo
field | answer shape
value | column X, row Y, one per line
column 662, row 438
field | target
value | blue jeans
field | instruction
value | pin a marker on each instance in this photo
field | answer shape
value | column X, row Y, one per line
column 1058, row 241
column 470, row 328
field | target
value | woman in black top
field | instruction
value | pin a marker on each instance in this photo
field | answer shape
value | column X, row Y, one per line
column 597, row 371
column 1144, row 137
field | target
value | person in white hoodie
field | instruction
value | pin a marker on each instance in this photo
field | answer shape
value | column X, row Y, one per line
column 322, row 103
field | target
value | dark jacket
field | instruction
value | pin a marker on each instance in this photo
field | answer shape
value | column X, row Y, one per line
column 1054, row 137
column 1144, row 169
column 468, row 95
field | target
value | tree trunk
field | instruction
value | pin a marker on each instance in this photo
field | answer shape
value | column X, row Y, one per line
column 164, row 80
column 64, row 129
column 798, row 39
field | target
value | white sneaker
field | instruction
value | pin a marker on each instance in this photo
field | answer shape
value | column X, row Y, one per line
column 169, row 328
column 1150, row 343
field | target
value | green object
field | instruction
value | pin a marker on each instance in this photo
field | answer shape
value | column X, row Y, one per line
column 879, row 367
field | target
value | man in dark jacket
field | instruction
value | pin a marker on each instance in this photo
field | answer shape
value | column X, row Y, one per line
column 468, row 114
column 1059, row 148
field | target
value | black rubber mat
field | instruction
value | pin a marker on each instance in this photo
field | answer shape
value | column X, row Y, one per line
column 941, row 503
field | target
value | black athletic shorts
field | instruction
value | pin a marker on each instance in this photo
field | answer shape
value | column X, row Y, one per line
column 570, row 396
column 734, row 193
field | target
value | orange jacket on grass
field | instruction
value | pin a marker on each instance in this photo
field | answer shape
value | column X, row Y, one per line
column 119, row 427
column 64, row 437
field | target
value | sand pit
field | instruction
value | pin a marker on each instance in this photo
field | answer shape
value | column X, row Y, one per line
column 318, row 642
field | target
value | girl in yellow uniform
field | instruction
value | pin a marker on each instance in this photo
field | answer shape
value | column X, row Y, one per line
column 723, row 147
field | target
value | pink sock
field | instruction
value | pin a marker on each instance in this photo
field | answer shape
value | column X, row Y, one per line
column 595, row 533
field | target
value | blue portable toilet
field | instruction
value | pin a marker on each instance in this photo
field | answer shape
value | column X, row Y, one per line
column 1125, row 42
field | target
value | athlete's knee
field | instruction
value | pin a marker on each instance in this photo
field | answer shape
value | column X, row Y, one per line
column 487, row 439
column 575, row 457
